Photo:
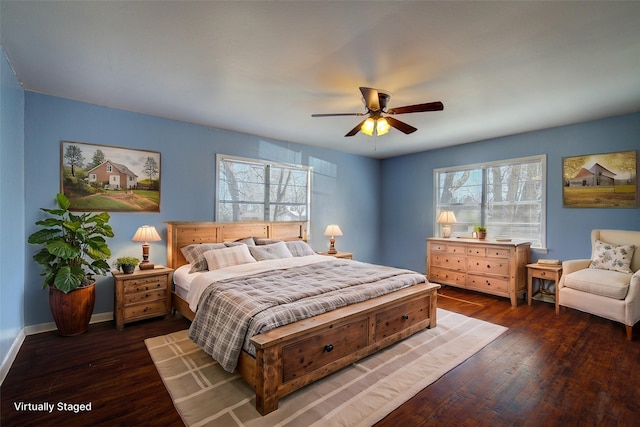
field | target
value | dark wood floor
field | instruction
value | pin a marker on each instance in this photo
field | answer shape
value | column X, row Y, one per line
column 571, row 369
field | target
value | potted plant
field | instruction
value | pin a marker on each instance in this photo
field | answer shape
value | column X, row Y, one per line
column 74, row 250
column 482, row 231
column 126, row 264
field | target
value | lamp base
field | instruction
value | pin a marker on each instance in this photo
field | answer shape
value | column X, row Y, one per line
column 446, row 231
column 332, row 249
column 147, row 265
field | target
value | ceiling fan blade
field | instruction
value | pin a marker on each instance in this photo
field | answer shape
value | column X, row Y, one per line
column 418, row 108
column 371, row 98
column 401, row 126
column 355, row 129
column 337, row 114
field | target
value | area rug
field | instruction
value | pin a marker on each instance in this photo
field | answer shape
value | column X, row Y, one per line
column 358, row 395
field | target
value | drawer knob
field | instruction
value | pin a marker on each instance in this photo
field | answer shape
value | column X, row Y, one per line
column 405, row 317
column 328, row 348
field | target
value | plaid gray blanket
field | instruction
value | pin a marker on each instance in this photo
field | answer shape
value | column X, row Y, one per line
column 232, row 311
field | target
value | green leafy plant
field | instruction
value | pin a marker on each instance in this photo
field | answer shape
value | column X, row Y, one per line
column 480, row 228
column 126, row 260
column 74, row 246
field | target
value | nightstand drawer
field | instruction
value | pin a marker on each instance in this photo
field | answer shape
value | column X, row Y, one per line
column 145, row 284
column 149, row 309
column 137, row 297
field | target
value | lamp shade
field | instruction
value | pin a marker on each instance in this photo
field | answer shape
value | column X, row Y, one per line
column 146, row 233
column 332, row 230
column 447, row 217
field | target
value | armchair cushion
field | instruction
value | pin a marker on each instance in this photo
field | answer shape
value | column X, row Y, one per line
column 607, row 283
column 609, row 256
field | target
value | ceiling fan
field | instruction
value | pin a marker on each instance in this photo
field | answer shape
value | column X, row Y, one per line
column 379, row 119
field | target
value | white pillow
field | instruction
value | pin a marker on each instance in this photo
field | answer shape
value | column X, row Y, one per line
column 609, row 256
column 272, row 251
column 233, row 255
column 299, row 248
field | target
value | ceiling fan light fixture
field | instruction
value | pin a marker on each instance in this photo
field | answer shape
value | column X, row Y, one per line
column 368, row 126
column 382, row 127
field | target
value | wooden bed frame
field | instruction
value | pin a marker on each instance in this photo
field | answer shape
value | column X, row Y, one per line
column 294, row 355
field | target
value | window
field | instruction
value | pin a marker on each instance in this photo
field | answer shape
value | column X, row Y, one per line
column 259, row 190
column 508, row 197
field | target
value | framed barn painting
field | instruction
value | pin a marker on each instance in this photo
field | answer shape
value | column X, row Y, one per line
column 105, row 178
column 608, row 180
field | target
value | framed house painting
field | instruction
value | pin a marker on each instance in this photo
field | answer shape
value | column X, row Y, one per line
column 608, row 180
column 105, row 178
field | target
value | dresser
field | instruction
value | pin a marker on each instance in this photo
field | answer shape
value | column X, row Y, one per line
column 142, row 294
column 489, row 266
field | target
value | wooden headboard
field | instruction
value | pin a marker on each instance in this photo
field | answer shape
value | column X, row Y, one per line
column 183, row 233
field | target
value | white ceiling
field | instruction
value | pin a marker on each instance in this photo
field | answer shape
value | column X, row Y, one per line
column 264, row 67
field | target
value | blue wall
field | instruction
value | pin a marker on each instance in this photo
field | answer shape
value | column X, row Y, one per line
column 407, row 188
column 12, row 262
column 345, row 187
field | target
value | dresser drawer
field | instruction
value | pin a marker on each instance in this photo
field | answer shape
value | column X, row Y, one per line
column 451, row 277
column 438, row 247
column 395, row 319
column 498, row 253
column 324, row 347
column 147, row 309
column 491, row 285
column 133, row 298
column 488, row 265
column 145, row 284
column 445, row 260
column 479, row 251
column 456, row 249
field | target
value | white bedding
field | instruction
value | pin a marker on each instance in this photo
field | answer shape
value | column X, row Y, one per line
column 196, row 283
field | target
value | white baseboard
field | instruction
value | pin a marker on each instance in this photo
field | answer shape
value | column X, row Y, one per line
column 11, row 355
column 36, row 329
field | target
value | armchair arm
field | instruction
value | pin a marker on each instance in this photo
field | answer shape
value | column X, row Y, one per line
column 571, row 266
column 632, row 301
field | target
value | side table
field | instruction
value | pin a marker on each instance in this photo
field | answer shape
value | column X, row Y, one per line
column 543, row 272
column 345, row 255
column 142, row 294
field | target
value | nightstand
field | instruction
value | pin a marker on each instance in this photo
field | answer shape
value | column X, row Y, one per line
column 345, row 255
column 141, row 295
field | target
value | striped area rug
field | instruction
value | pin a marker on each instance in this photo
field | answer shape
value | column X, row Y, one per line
column 358, row 395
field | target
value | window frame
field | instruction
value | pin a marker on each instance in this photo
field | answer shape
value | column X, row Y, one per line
column 484, row 167
column 266, row 163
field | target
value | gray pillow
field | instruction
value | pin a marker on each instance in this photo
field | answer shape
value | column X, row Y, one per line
column 299, row 248
column 272, row 251
column 194, row 254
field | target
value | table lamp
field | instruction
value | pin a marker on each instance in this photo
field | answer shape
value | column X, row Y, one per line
column 446, row 218
column 332, row 230
column 146, row 233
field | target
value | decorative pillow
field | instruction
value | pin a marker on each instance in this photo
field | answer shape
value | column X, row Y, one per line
column 299, row 248
column 194, row 254
column 272, row 251
column 233, row 255
column 247, row 241
column 608, row 256
column 265, row 241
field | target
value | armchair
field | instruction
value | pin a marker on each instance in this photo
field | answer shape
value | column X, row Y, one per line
column 611, row 290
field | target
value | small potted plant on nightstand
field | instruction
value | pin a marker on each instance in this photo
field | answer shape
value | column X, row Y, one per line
column 126, row 264
column 482, row 232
